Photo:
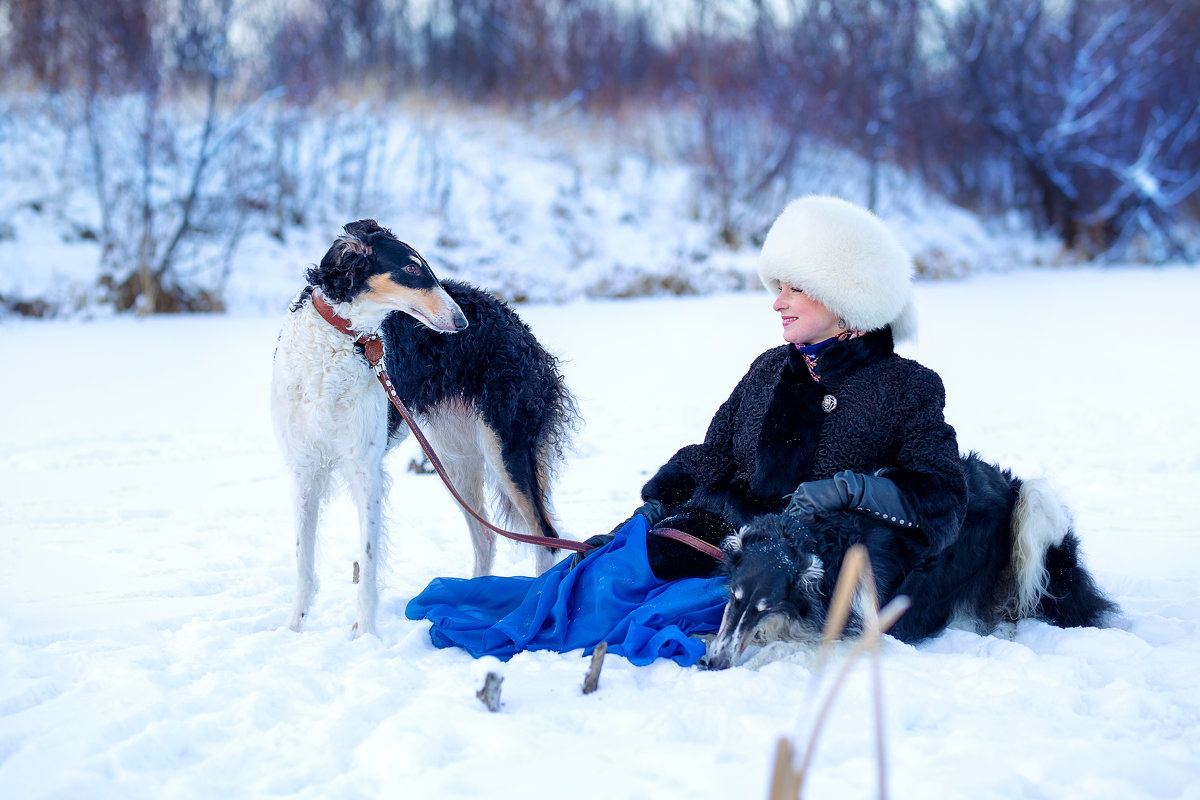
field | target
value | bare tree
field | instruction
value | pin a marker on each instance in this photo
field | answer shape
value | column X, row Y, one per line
column 871, row 59
column 170, row 195
column 747, row 125
column 1072, row 96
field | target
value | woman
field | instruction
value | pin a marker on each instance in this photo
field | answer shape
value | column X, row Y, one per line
column 832, row 419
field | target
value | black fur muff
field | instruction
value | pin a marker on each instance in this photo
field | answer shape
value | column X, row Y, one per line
column 670, row 560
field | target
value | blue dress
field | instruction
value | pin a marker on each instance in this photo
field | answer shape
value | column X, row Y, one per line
column 611, row 596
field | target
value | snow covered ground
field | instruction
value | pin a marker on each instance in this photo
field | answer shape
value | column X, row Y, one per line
column 146, row 572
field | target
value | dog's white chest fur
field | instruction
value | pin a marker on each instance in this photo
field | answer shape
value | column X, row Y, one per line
column 324, row 394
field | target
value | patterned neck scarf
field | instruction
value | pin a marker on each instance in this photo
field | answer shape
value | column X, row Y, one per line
column 812, row 352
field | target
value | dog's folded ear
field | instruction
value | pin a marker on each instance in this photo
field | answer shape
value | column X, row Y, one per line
column 731, row 546
column 359, row 235
column 349, row 253
column 356, row 245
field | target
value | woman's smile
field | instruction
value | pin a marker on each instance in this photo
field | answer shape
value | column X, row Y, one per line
column 805, row 320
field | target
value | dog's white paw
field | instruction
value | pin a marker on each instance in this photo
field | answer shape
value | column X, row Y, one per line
column 306, row 590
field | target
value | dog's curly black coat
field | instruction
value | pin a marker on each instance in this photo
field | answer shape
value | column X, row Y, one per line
column 972, row 578
column 774, row 433
column 514, row 383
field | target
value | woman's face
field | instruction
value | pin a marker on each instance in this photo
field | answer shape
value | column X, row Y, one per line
column 805, row 320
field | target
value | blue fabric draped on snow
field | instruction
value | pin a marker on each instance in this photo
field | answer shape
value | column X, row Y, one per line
column 611, row 596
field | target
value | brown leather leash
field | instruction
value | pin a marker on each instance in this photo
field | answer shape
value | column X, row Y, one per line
column 373, row 350
column 694, row 542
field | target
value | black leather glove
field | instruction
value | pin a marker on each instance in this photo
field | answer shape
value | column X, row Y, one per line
column 853, row 491
column 652, row 510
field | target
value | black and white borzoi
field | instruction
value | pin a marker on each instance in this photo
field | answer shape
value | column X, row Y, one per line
column 1017, row 557
column 488, row 396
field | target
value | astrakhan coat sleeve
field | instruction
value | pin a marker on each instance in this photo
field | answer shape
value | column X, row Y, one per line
column 927, row 467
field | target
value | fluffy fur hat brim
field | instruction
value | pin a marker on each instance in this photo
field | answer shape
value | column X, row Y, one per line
column 845, row 257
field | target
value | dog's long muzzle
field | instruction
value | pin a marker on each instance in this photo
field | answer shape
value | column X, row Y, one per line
column 439, row 311
column 732, row 639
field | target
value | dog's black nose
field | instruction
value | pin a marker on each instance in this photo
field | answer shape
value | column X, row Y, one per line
column 708, row 662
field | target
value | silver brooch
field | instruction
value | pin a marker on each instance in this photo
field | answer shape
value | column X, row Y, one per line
column 829, row 403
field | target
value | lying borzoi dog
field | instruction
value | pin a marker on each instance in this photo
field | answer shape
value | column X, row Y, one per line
column 489, row 397
column 1016, row 557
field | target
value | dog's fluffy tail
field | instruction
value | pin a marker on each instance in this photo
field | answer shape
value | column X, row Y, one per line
column 1039, row 522
column 1050, row 580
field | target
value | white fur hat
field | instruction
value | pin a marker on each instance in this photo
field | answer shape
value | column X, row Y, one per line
column 845, row 257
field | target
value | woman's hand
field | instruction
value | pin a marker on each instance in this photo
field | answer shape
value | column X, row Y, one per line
column 869, row 494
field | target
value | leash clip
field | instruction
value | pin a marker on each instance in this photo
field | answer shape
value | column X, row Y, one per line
column 372, row 349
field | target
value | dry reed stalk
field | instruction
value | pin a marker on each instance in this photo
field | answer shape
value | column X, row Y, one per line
column 856, row 576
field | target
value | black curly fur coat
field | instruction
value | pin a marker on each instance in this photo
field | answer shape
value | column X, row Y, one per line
column 774, row 433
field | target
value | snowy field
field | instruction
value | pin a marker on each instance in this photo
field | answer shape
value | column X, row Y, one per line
column 146, row 573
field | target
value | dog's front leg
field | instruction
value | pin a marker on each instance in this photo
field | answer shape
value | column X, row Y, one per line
column 366, row 484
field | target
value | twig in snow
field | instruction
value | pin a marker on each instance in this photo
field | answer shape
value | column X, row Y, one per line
column 490, row 693
column 591, row 681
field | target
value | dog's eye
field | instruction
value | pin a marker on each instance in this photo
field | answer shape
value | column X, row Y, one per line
column 411, row 269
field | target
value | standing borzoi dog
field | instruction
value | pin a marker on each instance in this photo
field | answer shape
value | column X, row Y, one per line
column 1016, row 557
column 489, row 397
